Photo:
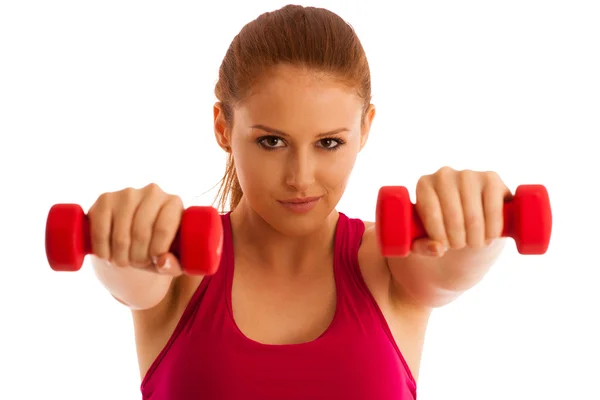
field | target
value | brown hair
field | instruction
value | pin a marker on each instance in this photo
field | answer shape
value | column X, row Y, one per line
column 310, row 37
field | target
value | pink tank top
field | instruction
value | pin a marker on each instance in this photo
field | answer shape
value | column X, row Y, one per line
column 209, row 358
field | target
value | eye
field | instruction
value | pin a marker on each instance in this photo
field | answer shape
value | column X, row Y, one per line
column 330, row 143
column 270, row 142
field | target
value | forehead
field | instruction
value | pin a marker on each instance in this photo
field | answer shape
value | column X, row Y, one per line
column 292, row 96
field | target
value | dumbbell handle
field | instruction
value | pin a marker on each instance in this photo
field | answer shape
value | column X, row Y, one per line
column 508, row 229
column 527, row 218
column 197, row 243
column 86, row 238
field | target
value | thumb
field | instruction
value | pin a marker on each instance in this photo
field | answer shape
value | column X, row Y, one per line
column 428, row 247
column 167, row 264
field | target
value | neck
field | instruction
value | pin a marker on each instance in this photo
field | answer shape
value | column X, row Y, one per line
column 259, row 243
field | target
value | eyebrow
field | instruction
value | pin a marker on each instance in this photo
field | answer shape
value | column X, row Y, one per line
column 281, row 133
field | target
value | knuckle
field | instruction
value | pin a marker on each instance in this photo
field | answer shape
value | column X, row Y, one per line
column 161, row 240
column 467, row 177
column 101, row 205
column 103, row 199
column 445, row 172
column 140, row 234
column 120, row 243
column 492, row 175
column 153, row 189
column 423, row 183
column 99, row 217
column 473, row 221
column 435, row 218
column 428, row 213
column 99, row 231
column 494, row 218
column 174, row 199
column 128, row 195
column 161, row 231
column 492, row 178
column 454, row 218
column 98, row 234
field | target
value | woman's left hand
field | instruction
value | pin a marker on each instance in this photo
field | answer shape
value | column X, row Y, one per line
column 459, row 209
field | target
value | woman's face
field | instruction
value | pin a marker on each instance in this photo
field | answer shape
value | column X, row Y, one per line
column 295, row 140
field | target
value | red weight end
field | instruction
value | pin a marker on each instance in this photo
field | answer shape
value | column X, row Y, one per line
column 67, row 237
column 201, row 240
column 533, row 219
column 394, row 221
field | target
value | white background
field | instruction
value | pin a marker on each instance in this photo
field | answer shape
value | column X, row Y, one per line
column 97, row 96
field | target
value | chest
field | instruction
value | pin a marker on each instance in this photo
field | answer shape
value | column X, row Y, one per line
column 283, row 310
column 337, row 366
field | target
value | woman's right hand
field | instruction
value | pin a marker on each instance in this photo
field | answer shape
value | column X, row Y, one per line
column 135, row 228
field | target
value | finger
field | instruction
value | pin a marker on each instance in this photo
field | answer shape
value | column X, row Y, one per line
column 494, row 196
column 451, row 205
column 472, row 206
column 121, row 229
column 168, row 264
column 165, row 227
column 142, row 230
column 100, row 218
column 430, row 212
column 428, row 247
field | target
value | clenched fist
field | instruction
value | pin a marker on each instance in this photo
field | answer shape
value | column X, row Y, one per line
column 135, row 228
column 459, row 209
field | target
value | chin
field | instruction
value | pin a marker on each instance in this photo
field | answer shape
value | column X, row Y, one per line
column 296, row 224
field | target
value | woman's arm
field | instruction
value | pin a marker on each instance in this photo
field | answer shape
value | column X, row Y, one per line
column 434, row 282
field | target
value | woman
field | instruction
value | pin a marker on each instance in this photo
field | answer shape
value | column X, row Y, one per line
column 303, row 304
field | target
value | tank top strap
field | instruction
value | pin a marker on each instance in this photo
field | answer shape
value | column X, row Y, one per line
column 356, row 293
column 212, row 289
column 348, row 239
column 349, row 235
column 219, row 284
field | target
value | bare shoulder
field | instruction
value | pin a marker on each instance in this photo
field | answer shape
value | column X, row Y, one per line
column 407, row 321
column 377, row 274
column 154, row 327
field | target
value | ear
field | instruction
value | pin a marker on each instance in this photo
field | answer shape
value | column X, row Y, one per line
column 366, row 128
column 222, row 133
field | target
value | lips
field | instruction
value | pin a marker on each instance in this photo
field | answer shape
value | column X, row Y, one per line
column 300, row 205
column 300, row 200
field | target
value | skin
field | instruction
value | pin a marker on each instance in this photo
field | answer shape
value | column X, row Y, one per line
column 283, row 260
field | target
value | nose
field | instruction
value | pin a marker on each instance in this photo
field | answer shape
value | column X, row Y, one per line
column 300, row 170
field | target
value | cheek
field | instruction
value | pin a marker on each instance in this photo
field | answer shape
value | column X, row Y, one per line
column 336, row 173
column 255, row 173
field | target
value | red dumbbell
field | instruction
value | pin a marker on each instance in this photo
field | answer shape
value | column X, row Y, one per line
column 527, row 219
column 198, row 244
